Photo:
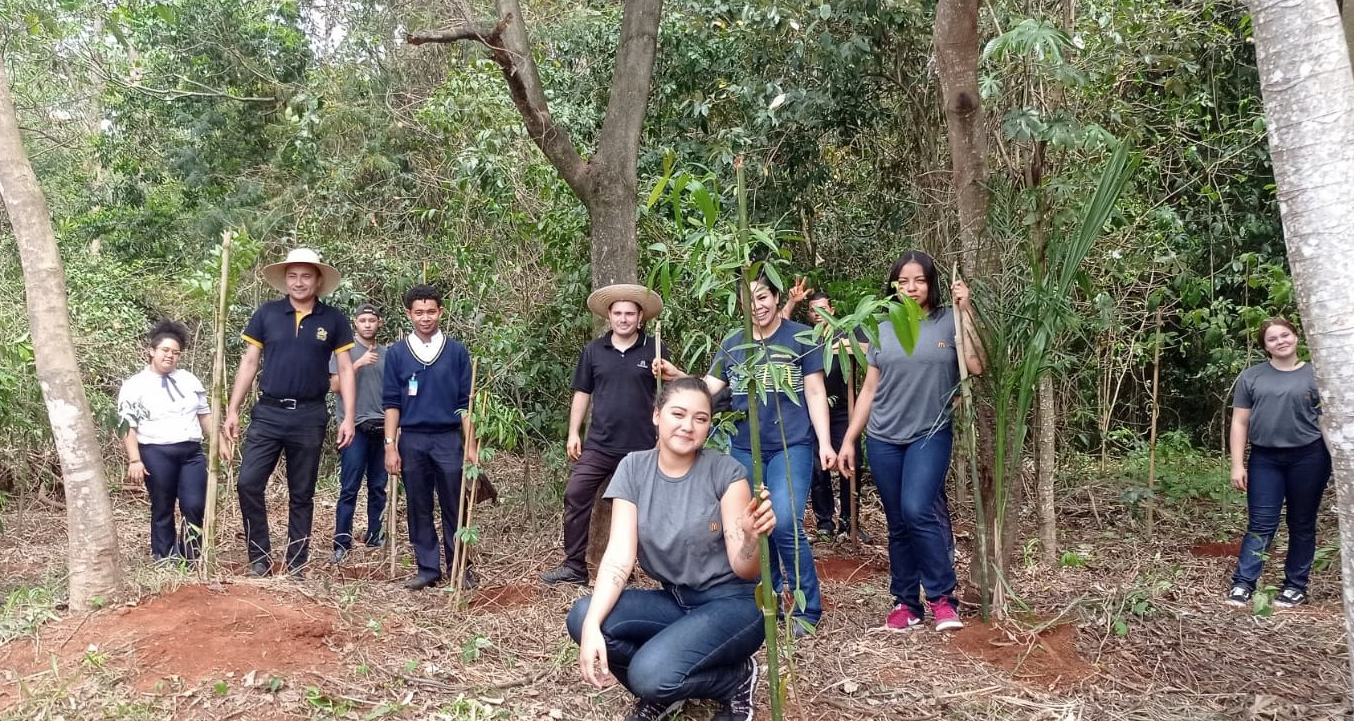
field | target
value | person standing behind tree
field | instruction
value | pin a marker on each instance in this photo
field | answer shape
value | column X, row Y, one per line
column 365, row 456
column 426, row 396
column 293, row 339
column 1276, row 408
column 614, row 375
column 907, row 400
column 167, row 416
column 789, row 422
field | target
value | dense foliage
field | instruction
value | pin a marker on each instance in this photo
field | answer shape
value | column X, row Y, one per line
column 155, row 126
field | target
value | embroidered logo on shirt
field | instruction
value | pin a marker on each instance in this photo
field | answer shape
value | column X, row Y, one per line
column 321, row 335
column 642, row 364
column 714, row 527
column 941, row 344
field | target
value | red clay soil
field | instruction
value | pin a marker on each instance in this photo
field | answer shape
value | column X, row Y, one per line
column 839, row 569
column 1048, row 660
column 1209, row 549
column 197, row 633
column 510, row 596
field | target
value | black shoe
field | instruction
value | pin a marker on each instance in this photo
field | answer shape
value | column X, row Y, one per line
column 1290, row 597
column 339, row 554
column 470, row 581
column 296, row 573
column 738, row 707
column 565, row 574
column 1239, row 596
column 824, row 535
column 844, row 533
column 420, row 582
column 378, row 543
column 651, row 711
column 261, row 569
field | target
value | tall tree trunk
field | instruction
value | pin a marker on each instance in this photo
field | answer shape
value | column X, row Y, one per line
column 1308, row 92
column 957, row 51
column 1046, row 462
column 606, row 183
column 92, row 548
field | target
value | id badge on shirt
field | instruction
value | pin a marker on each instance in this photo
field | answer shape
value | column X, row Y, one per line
column 413, row 385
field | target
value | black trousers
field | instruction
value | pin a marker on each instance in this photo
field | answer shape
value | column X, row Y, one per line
column 591, row 471
column 300, row 435
column 431, row 465
column 176, row 473
column 821, row 491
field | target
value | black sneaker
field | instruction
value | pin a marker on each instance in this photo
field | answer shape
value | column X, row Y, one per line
column 261, row 569
column 565, row 574
column 1290, row 597
column 844, row 533
column 1240, row 597
column 739, row 706
column 650, row 711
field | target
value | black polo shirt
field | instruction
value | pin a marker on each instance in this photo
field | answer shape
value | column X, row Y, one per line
column 622, row 387
column 835, row 382
column 296, row 350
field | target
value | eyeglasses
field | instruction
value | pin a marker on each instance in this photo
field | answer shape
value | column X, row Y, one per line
column 169, row 352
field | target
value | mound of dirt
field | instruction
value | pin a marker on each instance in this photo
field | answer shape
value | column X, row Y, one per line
column 196, row 633
column 840, row 569
column 1048, row 659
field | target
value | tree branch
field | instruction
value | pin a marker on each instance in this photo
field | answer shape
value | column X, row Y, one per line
column 510, row 49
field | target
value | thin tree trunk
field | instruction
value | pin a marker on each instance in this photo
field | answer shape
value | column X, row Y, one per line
column 92, row 548
column 1308, row 92
column 1046, row 463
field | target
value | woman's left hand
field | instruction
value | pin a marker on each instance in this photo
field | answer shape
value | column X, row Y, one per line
column 959, row 293
column 592, row 661
column 759, row 518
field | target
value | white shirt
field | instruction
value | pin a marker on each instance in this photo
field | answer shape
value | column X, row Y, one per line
column 426, row 353
column 163, row 409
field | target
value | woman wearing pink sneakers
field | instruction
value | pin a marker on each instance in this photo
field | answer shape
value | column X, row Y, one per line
column 907, row 401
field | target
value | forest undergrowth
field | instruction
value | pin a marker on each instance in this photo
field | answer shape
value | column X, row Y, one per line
column 1125, row 627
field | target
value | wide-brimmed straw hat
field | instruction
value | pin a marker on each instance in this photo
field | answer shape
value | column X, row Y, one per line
column 650, row 305
column 276, row 273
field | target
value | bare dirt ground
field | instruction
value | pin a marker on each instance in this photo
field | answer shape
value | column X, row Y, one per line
column 1138, row 632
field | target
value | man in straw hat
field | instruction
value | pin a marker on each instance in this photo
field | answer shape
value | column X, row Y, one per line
column 614, row 375
column 294, row 338
column 425, row 392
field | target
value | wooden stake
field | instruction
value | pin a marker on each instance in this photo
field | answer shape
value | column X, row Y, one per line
column 464, row 511
column 392, row 520
column 851, row 479
column 1152, row 439
column 658, row 355
column 218, row 383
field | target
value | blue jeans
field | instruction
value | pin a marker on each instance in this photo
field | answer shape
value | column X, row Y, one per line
column 911, row 483
column 365, row 456
column 1273, row 475
column 788, row 474
column 678, row 643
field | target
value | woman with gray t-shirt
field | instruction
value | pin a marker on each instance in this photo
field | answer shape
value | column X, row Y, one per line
column 1276, row 407
column 689, row 516
column 906, row 399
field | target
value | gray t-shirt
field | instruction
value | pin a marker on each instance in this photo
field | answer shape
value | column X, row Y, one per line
column 1285, row 405
column 681, row 531
column 913, row 398
column 367, row 404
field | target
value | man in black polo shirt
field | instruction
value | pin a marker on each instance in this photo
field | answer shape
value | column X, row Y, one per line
column 613, row 374
column 294, row 337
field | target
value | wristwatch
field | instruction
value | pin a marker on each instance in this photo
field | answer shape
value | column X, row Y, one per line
column 389, row 441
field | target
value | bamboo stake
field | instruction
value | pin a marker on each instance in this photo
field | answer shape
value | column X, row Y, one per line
column 658, row 355
column 218, row 387
column 971, row 443
column 1152, row 440
column 851, row 478
column 393, row 520
column 464, row 511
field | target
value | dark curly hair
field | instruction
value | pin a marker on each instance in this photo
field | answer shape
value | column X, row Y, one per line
column 169, row 329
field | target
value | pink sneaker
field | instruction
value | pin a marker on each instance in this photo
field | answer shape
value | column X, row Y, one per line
column 901, row 618
column 946, row 618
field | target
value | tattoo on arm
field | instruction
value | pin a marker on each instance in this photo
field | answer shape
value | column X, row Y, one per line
column 618, row 573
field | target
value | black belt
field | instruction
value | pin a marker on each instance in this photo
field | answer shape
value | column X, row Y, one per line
column 290, row 404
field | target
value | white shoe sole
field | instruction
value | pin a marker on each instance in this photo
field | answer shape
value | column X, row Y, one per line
column 954, row 625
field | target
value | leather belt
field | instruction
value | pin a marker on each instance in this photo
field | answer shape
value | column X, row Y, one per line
column 289, row 404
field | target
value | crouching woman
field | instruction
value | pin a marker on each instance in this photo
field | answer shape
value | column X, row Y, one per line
column 689, row 516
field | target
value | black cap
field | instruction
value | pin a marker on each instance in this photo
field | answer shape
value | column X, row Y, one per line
column 366, row 308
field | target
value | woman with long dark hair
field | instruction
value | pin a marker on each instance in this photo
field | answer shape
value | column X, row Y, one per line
column 1276, row 409
column 904, row 406
column 688, row 514
column 167, row 416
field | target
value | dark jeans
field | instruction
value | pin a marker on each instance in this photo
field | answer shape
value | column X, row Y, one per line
column 821, row 497
column 431, row 464
column 911, row 483
column 591, row 471
column 677, row 643
column 365, row 456
column 175, row 472
column 786, row 471
column 273, row 431
column 1298, row 475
